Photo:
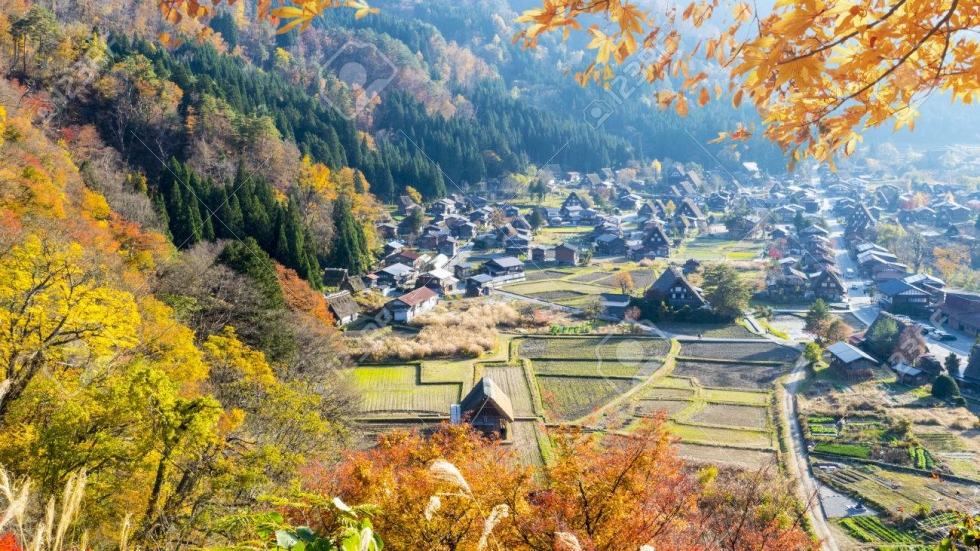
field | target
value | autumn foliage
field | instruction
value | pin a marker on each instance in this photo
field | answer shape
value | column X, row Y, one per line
column 456, row 490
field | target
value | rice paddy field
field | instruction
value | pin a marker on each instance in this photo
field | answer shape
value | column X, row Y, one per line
column 568, row 398
column 893, row 490
column 594, row 348
column 714, row 331
column 398, row 389
column 514, row 384
column 591, row 368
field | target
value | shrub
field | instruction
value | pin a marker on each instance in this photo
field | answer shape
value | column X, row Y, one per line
column 945, row 387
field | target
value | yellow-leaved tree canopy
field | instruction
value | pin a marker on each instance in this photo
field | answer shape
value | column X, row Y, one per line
column 818, row 71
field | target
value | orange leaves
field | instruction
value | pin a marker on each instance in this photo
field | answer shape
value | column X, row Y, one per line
column 704, row 97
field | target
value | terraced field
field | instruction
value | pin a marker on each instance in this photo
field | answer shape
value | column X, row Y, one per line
column 568, row 398
column 652, row 408
column 396, row 389
column 525, row 435
column 732, row 416
column 739, row 351
column 589, row 348
column 751, row 459
column 512, row 381
column 731, row 375
column 591, row 368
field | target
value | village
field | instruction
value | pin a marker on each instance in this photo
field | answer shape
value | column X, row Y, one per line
column 592, row 307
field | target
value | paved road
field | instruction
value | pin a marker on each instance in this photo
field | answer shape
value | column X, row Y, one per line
column 808, row 486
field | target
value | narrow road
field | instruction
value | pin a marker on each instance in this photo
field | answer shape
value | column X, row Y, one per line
column 807, row 483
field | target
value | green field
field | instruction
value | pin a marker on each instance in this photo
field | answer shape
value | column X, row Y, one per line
column 722, row 436
column 847, row 450
column 870, row 529
column 392, row 389
column 714, row 331
column 614, row 348
column 742, row 397
column 705, row 247
column 590, row 368
column 889, row 490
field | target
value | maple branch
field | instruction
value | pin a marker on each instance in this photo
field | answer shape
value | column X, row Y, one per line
column 845, row 38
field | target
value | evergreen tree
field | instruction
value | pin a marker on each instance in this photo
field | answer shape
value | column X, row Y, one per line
column 350, row 246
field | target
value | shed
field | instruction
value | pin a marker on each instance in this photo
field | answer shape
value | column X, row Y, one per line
column 850, row 362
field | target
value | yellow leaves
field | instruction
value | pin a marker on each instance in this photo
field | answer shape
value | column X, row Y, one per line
column 665, row 98
column 605, row 45
column 232, row 361
column 907, row 116
column 743, row 13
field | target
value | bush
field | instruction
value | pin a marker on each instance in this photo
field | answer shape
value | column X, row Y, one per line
column 945, row 388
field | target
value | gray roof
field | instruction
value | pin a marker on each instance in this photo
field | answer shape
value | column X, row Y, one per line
column 397, row 269
column 506, row 262
column 487, row 392
column 847, row 353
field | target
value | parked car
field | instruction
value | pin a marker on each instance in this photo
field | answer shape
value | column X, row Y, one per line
column 854, row 287
column 947, row 337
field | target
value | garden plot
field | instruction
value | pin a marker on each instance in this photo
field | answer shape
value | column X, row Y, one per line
column 660, row 393
column 712, row 330
column 652, row 408
column 541, row 275
column 555, row 296
column 739, row 397
column 739, row 351
column 870, row 529
column 892, row 490
column 731, row 416
column 751, row 459
column 641, row 278
column 589, row 368
column 590, row 277
column 742, row 438
column 396, row 389
column 525, row 435
column 537, row 288
column 512, row 381
column 588, row 348
column 568, row 398
column 731, row 375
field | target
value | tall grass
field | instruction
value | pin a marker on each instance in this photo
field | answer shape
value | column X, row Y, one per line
column 49, row 528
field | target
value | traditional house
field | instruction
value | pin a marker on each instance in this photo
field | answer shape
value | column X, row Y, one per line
column 859, row 221
column 443, row 207
column 343, row 307
column 675, row 290
column 962, row 311
column 573, row 200
column 827, row 285
column 566, row 255
column 406, row 257
column 439, row 280
column 610, row 244
column 487, row 408
column 504, row 267
column 657, row 241
column 406, row 205
column 850, row 362
column 447, row 246
column 539, row 254
column 396, row 275
column 899, row 297
column 411, row 305
column 690, row 209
